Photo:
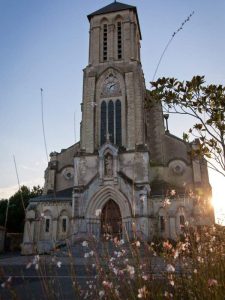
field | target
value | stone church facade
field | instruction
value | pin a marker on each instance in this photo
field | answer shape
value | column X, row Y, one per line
column 127, row 175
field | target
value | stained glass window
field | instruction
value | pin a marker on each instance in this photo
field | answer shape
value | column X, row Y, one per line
column 118, row 123
column 103, row 122
column 111, row 121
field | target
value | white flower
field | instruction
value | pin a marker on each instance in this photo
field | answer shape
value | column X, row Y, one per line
column 166, row 202
column 91, row 253
column 195, row 271
column 107, row 284
column 172, row 282
column 86, row 255
column 130, row 269
column 3, row 285
column 9, row 279
column 121, row 242
column 176, row 254
column 42, row 215
column 145, row 277
column 101, row 294
column 142, row 292
column 170, row 268
column 138, row 244
column 59, row 263
column 85, row 244
column 172, row 192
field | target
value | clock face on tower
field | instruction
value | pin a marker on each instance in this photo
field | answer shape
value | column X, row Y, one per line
column 111, row 87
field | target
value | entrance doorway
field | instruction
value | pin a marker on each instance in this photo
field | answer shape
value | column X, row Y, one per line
column 111, row 220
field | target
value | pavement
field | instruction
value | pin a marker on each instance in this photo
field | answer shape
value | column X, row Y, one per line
column 57, row 276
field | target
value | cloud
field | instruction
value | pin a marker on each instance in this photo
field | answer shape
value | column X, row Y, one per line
column 6, row 192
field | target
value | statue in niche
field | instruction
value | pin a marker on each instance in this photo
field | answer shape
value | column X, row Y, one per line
column 108, row 165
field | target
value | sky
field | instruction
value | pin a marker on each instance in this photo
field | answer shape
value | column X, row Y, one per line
column 44, row 44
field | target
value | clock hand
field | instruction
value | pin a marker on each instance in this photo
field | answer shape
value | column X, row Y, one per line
column 112, row 85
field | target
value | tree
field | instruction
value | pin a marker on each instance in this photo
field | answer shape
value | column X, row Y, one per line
column 17, row 203
column 204, row 103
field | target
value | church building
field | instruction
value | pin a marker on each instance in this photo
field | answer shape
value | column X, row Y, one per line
column 128, row 176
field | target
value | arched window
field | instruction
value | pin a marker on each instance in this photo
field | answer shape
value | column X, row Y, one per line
column 105, row 42
column 118, row 123
column 111, row 121
column 119, row 40
column 103, row 122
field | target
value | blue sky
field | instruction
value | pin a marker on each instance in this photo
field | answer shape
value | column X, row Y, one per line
column 44, row 44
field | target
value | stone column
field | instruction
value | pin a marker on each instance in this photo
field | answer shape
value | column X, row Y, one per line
column 95, row 45
column 54, row 229
column 90, row 113
column 139, row 116
column 126, row 40
column 130, row 111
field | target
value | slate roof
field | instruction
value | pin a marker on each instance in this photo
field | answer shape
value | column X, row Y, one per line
column 64, row 195
column 113, row 7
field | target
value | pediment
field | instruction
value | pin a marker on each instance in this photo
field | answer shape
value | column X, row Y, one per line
column 108, row 148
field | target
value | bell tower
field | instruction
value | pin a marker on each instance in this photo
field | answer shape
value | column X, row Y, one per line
column 113, row 85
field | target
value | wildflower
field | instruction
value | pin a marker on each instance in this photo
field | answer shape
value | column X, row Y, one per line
column 130, row 269
column 85, row 244
column 212, row 282
column 107, row 284
column 86, row 255
column 138, row 244
column 172, row 282
column 121, row 242
column 101, row 294
column 145, row 277
column 195, row 271
column 167, row 245
column 176, row 254
column 168, row 295
column 91, row 253
column 172, row 192
column 142, row 292
column 166, row 202
column 200, row 259
column 59, row 263
column 170, row 268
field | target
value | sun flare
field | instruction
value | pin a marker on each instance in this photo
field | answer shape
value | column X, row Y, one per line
column 218, row 197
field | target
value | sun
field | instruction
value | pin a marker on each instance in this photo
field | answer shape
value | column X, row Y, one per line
column 218, row 196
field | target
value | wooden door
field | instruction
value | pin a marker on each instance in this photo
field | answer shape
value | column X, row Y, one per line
column 111, row 221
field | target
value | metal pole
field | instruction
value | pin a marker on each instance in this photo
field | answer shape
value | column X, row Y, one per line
column 6, row 219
